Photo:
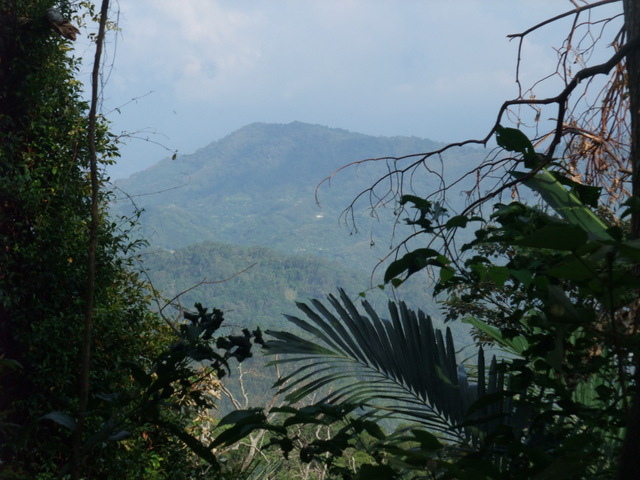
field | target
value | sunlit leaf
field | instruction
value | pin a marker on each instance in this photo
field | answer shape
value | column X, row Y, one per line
column 565, row 203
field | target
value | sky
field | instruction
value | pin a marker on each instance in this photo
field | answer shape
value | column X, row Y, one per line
column 180, row 75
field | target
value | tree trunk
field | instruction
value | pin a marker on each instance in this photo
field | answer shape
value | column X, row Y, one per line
column 630, row 459
column 632, row 26
column 85, row 351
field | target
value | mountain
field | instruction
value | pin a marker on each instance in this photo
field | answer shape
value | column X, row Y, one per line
column 250, row 200
column 257, row 187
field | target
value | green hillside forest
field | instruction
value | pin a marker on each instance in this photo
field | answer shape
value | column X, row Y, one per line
column 262, row 186
column 241, row 221
column 219, row 316
column 256, row 286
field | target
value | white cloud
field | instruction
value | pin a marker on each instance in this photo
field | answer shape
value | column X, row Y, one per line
column 186, row 43
column 211, row 50
column 378, row 66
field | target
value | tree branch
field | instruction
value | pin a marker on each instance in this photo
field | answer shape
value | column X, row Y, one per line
column 558, row 17
column 85, row 352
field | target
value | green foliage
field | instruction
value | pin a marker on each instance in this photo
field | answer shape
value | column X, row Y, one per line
column 180, row 386
column 554, row 293
column 569, row 204
column 44, row 214
column 321, row 439
column 400, row 366
column 259, row 295
column 513, row 140
column 263, row 292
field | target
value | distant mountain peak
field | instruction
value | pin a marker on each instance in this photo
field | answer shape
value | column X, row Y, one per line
column 257, row 186
column 267, row 154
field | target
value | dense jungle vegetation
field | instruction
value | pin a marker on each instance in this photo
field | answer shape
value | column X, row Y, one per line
column 97, row 382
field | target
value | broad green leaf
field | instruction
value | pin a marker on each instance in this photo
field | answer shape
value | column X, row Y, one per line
column 395, row 269
column 410, row 263
column 499, row 275
column 457, row 221
column 61, row 418
column 555, row 237
column 565, row 203
column 523, row 276
column 587, row 194
column 427, row 440
column 559, row 306
column 515, row 345
column 514, row 140
column 373, row 429
column 418, row 202
column 574, row 268
column 446, row 274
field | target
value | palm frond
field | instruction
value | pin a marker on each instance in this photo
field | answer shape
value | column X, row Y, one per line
column 401, row 365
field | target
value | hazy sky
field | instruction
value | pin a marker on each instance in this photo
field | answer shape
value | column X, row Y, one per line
column 200, row 69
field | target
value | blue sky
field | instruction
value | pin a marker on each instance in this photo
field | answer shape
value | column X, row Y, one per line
column 197, row 70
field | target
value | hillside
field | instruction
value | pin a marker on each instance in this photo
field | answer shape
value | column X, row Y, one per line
column 249, row 200
column 263, row 293
column 257, row 186
column 269, row 285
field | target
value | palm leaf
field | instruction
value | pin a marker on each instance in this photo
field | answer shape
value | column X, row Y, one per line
column 565, row 203
column 401, row 366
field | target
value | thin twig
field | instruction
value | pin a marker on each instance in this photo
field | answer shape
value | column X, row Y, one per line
column 205, row 282
column 560, row 16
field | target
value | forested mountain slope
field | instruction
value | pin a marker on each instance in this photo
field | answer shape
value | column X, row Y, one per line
column 268, row 286
column 250, row 198
column 257, row 187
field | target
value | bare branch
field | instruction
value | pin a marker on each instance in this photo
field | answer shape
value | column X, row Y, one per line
column 205, row 282
column 562, row 15
column 598, row 145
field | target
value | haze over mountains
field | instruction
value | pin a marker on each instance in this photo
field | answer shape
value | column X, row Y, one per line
column 257, row 188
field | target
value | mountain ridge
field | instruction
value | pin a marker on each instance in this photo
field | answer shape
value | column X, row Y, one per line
column 257, row 186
